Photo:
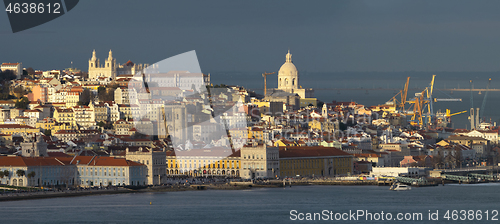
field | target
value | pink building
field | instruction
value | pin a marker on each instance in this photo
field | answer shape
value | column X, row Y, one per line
column 40, row 93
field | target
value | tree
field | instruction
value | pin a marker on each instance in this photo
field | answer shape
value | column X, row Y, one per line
column 1, row 174
column 7, row 75
column 31, row 174
column 31, row 72
column 47, row 132
column 19, row 91
column 6, row 173
column 107, row 95
column 20, row 173
column 85, row 97
column 22, row 103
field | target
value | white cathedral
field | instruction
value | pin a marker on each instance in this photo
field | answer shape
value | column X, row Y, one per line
column 288, row 79
column 110, row 69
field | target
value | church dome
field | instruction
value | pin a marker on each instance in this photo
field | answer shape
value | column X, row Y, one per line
column 288, row 76
column 288, row 68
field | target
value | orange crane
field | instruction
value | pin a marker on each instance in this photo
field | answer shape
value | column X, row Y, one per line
column 265, row 74
column 403, row 95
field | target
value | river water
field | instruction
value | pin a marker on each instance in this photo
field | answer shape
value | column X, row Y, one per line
column 261, row 205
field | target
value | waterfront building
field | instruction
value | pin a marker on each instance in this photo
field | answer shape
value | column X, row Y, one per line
column 46, row 171
column 153, row 158
column 213, row 161
column 108, row 171
column 259, row 161
column 314, row 161
column 480, row 145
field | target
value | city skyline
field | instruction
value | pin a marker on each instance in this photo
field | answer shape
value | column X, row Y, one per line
column 228, row 36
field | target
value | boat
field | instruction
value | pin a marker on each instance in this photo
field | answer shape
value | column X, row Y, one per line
column 399, row 187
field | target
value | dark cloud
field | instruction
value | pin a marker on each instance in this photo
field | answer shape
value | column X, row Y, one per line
column 255, row 35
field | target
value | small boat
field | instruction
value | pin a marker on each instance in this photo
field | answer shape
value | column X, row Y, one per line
column 399, row 187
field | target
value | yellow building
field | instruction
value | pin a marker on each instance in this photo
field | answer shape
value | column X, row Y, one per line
column 308, row 101
column 284, row 142
column 315, row 125
column 215, row 161
column 255, row 133
column 314, row 161
column 11, row 129
column 64, row 115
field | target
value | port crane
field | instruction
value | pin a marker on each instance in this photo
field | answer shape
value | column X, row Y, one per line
column 403, row 93
column 475, row 113
column 450, row 99
column 484, row 99
column 420, row 102
column 265, row 74
column 448, row 114
column 443, row 119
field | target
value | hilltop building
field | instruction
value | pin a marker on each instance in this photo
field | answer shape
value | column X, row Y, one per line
column 288, row 79
column 17, row 68
column 289, row 91
column 110, row 69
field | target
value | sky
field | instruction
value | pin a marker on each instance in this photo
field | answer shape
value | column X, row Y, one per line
column 323, row 36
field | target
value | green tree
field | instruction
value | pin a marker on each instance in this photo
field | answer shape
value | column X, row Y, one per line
column 7, row 75
column 20, row 173
column 31, row 72
column 47, row 132
column 31, row 174
column 106, row 95
column 6, row 173
column 22, row 103
column 1, row 174
column 85, row 97
column 19, row 91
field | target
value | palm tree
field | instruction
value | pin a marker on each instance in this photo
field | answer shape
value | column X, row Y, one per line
column 6, row 173
column 1, row 174
column 20, row 173
column 31, row 174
